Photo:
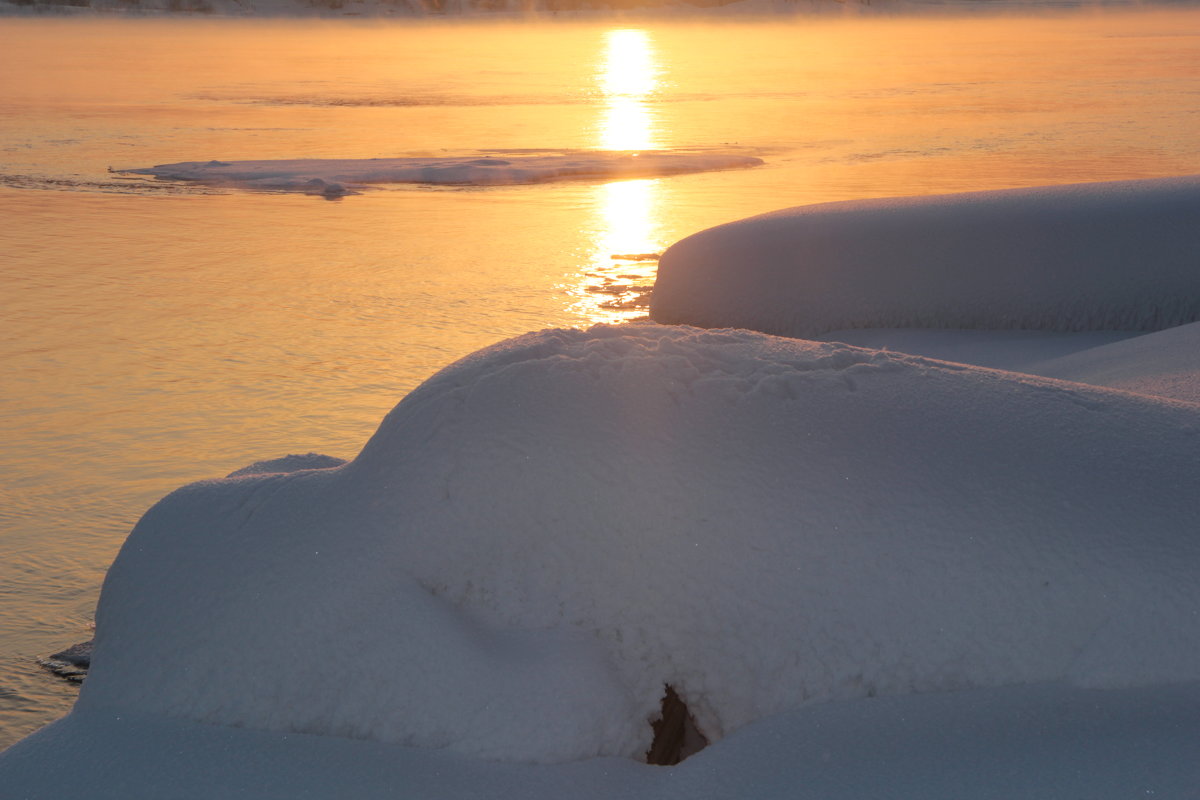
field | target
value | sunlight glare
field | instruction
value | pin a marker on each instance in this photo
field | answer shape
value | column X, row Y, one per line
column 629, row 67
column 628, row 75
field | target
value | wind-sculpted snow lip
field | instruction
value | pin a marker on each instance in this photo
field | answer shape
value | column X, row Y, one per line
column 542, row 535
column 337, row 177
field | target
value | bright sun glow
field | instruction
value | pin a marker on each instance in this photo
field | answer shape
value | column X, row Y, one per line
column 628, row 75
column 629, row 67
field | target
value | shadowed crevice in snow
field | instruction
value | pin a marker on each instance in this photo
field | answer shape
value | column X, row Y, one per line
column 676, row 735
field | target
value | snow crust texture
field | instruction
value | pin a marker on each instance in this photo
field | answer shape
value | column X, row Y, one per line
column 1121, row 256
column 340, row 176
column 542, row 535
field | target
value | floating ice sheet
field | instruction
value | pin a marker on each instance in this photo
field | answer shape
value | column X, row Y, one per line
column 337, row 177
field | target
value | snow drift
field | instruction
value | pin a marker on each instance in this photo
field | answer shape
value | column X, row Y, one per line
column 544, row 534
column 1106, row 256
column 339, row 176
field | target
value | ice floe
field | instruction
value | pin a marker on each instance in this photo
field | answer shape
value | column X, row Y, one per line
column 336, row 177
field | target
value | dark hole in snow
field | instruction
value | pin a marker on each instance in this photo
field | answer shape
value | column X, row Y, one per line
column 675, row 733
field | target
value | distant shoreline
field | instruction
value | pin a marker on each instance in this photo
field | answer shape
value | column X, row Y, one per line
column 521, row 10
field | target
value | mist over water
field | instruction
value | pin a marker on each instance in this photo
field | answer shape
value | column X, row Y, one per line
column 157, row 332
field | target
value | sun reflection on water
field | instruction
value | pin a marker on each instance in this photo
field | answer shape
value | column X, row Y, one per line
column 614, row 283
column 628, row 76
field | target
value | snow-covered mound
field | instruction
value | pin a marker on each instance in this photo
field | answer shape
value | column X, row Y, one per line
column 338, row 176
column 1107, row 256
column 542, row 535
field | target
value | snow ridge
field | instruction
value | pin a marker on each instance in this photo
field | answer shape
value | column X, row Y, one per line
column 1118, row 256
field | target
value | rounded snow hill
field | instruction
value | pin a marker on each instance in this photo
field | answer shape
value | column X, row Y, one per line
column 542, row 535
column 1118, row 256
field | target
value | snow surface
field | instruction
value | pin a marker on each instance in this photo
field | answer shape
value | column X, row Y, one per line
column 1116, row 256
column 1165, row 364
column 335, row 177
column 543, row 535
column 1048, row 742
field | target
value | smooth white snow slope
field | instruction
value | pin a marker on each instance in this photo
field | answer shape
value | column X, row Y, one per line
column 1164, row 363
column 339, row 176
column 544, row 534
column 1117, row 256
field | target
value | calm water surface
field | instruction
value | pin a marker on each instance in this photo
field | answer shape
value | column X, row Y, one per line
column 155, row 333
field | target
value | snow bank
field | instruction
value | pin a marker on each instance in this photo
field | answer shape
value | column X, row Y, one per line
column 337, row 176
column 542, row 535
column 1106, row 256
